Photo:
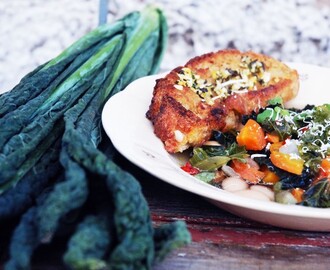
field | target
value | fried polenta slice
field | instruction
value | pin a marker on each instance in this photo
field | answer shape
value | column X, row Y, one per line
column 212, row 92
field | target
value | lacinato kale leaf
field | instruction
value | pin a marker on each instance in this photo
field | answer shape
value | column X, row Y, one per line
column 89, row 244
column 65, row 113
column 169, row 237
column 16, row 200
column 73, row 192
column 23, row 243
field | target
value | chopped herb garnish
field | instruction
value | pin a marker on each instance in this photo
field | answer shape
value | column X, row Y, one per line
column 225, row 81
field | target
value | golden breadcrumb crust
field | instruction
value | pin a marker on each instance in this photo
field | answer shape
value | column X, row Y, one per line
column 181, row 119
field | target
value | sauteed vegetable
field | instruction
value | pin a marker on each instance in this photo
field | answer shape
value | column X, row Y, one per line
column 284, row 153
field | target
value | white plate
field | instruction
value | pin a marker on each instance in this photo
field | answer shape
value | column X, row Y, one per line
column 132, row 134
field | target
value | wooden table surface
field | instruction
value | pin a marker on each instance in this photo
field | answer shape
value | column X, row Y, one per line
column 220, row 240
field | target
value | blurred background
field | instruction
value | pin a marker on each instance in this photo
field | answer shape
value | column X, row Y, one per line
column 34, row 31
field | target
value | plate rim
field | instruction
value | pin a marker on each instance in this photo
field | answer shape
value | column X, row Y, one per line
column 252, row 204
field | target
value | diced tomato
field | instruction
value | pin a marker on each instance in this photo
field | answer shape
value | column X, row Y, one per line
column 190, row 169
column 303, row 129
column 247, row 172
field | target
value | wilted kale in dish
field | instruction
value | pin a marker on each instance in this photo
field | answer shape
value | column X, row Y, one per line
column 246, row 117
column 287, row 180
column 297, row 181
column 314, row 142
column 318, row 195
column 224, row 138
column 275, row 119
column 209, row 158
column 264, row 160
column 321, row 113
column 282, row 128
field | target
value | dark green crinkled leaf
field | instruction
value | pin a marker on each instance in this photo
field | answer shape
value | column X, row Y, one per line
column 237, row 152
column 318, row 195
column 75, row 97
column 89, row 244
column 23, row 243
column 169, row 237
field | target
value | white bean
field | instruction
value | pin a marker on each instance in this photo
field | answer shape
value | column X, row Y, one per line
column 265, row 190
column 285, row 197
column 253, row 194
column 233, row 184
column 229, row 171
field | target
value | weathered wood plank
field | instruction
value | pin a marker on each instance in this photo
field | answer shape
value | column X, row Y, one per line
column 225, row 257
column 220, row 231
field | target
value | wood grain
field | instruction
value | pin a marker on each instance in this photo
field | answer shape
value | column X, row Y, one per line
column 225, row 241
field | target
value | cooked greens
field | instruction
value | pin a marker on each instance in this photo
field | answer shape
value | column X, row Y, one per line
column 294, row 157
column 318, row 195
column 208, row 158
